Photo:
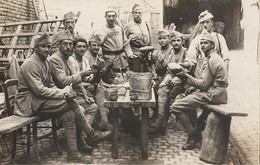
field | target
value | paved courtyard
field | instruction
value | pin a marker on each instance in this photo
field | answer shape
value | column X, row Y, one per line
column 243, row 149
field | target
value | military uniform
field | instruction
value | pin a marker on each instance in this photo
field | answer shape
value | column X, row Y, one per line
column 115, row 47
column 167, row 91
column 64, row 74
column 211, row 88
column 37, row 95
column 139, row 34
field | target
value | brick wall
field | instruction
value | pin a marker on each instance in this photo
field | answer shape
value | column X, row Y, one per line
column 18, row 10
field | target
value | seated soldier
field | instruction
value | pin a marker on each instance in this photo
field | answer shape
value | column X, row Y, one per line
column 93, row 84
column 168, row 84
column 64, row 74
column 210, row 87
column 37, row 95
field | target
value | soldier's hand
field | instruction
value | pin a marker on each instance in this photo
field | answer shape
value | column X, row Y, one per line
column 71, row 95
column 182, row 75
column 67, row 89
column 132, row 56
column 189, row 90
column 85, row 73
column 89, row 99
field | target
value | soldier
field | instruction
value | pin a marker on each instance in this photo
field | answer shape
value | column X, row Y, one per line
column 69, row 21
column 64, row 74
column 114, row 43
column 210, row 88
column 169, row 86
column 95, row 60
column 195, row 52
column 196, row 56
column 139, row 34
column 37, row 95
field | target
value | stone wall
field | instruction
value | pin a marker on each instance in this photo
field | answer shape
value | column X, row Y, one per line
column 18, row 10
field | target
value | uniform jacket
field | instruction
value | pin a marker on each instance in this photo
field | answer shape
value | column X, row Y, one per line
column 213, row 80
column 196, row 56
column 113, row 39
column 62, row 74
column 35, row 85
column 139, row 35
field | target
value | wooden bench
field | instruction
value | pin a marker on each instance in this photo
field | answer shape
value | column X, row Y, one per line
column 216, row 134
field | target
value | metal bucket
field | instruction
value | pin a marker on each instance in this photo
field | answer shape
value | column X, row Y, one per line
column 140, row 83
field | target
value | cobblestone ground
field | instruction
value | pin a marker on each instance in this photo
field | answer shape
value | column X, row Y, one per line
column 243, row 93
column 243, row 149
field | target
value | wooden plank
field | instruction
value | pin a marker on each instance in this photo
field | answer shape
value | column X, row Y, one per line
column 14, row 41
column 15, row 47
column 30, row 22
column 12, row 123
column 225, row 109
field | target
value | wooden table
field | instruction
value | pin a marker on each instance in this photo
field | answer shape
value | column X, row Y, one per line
column 125, row 102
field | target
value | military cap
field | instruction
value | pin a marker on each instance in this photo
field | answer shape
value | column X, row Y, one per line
column 163, row 32
column 95, row 38
column 175, row 34
column 136, row 7
column 111, row 9
column 66, row 35
column 205, row 15
column 42, row 39
column 68, row 16
column 208, row 37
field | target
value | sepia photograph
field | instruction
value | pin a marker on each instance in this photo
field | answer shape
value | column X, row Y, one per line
column 158, row 82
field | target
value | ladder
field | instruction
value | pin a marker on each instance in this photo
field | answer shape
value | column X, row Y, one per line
column 17, row 38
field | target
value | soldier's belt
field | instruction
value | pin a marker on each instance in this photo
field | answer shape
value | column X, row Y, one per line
column 117, row 52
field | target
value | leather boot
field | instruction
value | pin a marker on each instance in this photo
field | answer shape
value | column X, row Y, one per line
column 158, row 126
column 96, row 136
column 79, row 158
column 105, row 126
column 70, row 132
column 192, row 143
column 82, row 146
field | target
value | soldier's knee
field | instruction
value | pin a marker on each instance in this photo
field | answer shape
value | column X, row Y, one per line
column 69, row 117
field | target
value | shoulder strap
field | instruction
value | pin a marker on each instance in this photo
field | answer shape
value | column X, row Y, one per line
column 219, row 46
column 209, row 68
column 150, row 39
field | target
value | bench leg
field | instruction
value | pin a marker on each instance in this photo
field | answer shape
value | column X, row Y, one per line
column 28, row 135
column 215, row 139
column 14, row 139
column 115, row 118
column 55, row 137
column 145, row 116
column 35, row 142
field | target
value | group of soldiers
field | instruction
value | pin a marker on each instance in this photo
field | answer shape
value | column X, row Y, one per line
column 60, row 78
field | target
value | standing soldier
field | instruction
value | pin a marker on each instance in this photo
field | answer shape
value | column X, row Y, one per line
column 69, row 21
column 114, row 44
column 139, row 34
column 195, row 52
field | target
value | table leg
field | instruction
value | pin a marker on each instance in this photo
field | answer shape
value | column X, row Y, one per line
column 115, row 118
column 145, row 116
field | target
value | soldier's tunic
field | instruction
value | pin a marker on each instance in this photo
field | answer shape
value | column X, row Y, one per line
column 211, row 86
column 115, row 46
column 63, row 74
column 140, row 36
column 36, row 90
column 196, row 56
